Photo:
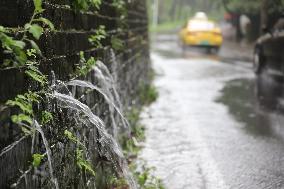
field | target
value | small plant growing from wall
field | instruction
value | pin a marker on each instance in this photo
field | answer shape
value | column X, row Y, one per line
column 22, row 51
column 34, row 111
column 86, row 5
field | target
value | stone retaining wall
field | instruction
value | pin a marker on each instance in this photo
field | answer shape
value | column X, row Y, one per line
column 130, row 68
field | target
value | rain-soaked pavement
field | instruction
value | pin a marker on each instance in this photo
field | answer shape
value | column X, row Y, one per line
column 209, row 129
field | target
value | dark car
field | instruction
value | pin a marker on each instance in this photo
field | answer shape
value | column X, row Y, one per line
column 269, row 50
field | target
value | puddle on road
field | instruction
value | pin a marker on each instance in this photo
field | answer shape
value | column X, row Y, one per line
column 238, row 95
column 251, row 101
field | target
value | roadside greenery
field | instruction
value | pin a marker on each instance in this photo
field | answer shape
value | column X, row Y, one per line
column 148, row 94
column 167, row 27
column 253, row 6
column 172, row 14
column 142, row 173
column 133, row 144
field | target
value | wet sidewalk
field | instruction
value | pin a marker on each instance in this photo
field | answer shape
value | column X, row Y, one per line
column 204, row 131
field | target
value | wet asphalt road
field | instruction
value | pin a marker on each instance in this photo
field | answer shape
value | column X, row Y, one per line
column 211, row 127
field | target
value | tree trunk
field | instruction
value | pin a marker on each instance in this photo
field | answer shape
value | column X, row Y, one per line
column 264, row 14
column 180, row 8
column 173, row 9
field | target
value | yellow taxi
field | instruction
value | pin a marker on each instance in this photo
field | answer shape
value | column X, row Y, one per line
column 200, row 31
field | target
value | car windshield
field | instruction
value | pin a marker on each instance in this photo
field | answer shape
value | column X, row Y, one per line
column 200, row 25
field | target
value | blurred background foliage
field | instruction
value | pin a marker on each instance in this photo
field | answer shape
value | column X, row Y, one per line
column 253, row 6
column 174, row 13
column 177, row 10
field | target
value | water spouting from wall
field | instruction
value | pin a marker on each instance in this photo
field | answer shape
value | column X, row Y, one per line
column 108, row 147
column 108, row 86
column 82, row 117
column 48, row 154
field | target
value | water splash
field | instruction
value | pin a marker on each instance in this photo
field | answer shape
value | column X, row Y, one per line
column 35, row 127
column 109, row 148
column 108, row 85
column 48, row 153
column 83, row 115
column 109, row 98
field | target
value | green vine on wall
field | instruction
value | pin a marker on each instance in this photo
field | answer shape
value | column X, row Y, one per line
column 16, row 49
column 120, row 6
column 20, row 50
column 20, row 56
column 82, row 163
column 86, row 5
column 99, row 35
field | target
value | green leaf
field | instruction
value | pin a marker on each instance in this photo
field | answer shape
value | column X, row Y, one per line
column 2, row 29
column 24, row 106
column 98, row 37
column 85, row 65
column 46, row 117
column 14, row 48
column 36, row 30
column 19, row 44
column 35, row 46
column 27, row 26
column 73, row 138
column 32, row 97
column 46, row 22
column 116, row 43
column 70, row 136
column 87, row 166
column 22, row 97
column 21, row 118
column 36, row 76
column 26, row 131
column 21, row 56
column 38, row 6
column 82, row 56
column 31, row 53
column 37, row 158
column 7, row 62
column 83, row 164
column 91, row 62
column 96, row 3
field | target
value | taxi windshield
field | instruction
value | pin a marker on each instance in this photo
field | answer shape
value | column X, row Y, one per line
column 200, row 25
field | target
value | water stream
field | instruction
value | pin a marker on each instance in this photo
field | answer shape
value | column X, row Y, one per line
column 83, row 118
column 48, row 153
column 83, row 115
